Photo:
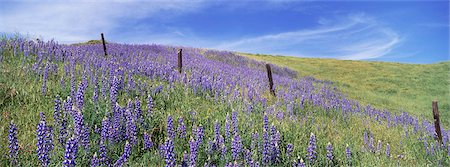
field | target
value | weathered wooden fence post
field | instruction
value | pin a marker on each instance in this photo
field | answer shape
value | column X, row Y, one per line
column 437, row 124
column 104, row 44
column 269, row 75
column 180, row 60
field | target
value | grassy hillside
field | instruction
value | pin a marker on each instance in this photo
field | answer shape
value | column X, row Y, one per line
column 394, row 86
column 94, row 107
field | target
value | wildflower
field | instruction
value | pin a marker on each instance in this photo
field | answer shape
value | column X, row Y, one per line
column 193, row 152
column 236, row 147
column 234, row 122
column 124, row 157
column 181, row 128
column 80, row 95
column 379, row 146
column 170, row 131
column 329, row 148
column 289, row 149
column 130, row 127
column 169, row 154
column 104, row 133
column 57, row 110
column 348, row 152
column 103, row 156
column 95, row 161
column 147, row 141
column 388, row 150
column 266, row 148
column 42, row 149
column 312, row 148
column 70, row 153
column 13, row 144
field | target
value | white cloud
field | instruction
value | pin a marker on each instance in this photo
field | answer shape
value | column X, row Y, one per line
column 355, row 37
column 74, row 21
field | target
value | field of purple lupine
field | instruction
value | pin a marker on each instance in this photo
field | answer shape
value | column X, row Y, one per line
column 70, row 105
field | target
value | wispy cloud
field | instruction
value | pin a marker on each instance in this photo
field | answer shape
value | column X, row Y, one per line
column 355, row 37
column 74, row 21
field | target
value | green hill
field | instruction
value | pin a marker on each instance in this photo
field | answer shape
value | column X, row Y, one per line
column 394, row 86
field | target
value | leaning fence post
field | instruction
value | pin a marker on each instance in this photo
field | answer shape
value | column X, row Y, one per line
column 269, row 75
column 437, row 125
column 104, row 44
column 180, row 60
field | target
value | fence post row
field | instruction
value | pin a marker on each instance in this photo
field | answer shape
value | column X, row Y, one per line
column 104, row 44
column 269, row 75
column 180, row 60
column 437, row 125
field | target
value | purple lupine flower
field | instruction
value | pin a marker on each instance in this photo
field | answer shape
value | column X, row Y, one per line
column 150, row 105
column 85, row 137
column 211, row 146
column 236, row 147
column 299, row 163
column 248, row 157
column 216, row 130
column 255, row 141
column 147, row 141
column 49, row 139
column 371, row 143
column 223, row 148
column 234, row 121
column 130, row 127
column 41, row 142
column 366, row 139
column 124, row 157
column 227, row 127
column 181, row 128
column 169, row 155
column 289, row 149
column 329, row 148
column 137, row 110
column 388, row 150
column 105, row 127
column 104, row 160
column 63, row 130
column 70, row 153
column 266, row 148
column 274, row 143
column 57, row 111
column 170, row 131
column 184, row 162
column 312, row 149
column 379, row 145
column 80, row 95
column 193, row 148
column 95, row 161
column 348, row 152
column 266, row 123
column 68, row 106
column 200, row 134
column 78, row 123
column 13, row 144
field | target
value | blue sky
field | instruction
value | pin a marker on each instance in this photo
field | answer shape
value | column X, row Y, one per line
column 394, row 31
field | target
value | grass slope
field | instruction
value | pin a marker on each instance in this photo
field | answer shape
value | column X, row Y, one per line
column 23, row 101
column 394, row 86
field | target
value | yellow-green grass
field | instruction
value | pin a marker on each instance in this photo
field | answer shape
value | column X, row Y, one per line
column 394, row 86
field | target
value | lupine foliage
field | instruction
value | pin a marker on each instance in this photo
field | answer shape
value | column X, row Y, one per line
column 218, row 111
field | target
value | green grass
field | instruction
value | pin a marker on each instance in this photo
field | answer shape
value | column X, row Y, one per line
column 394, row 86
column 23, row 101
